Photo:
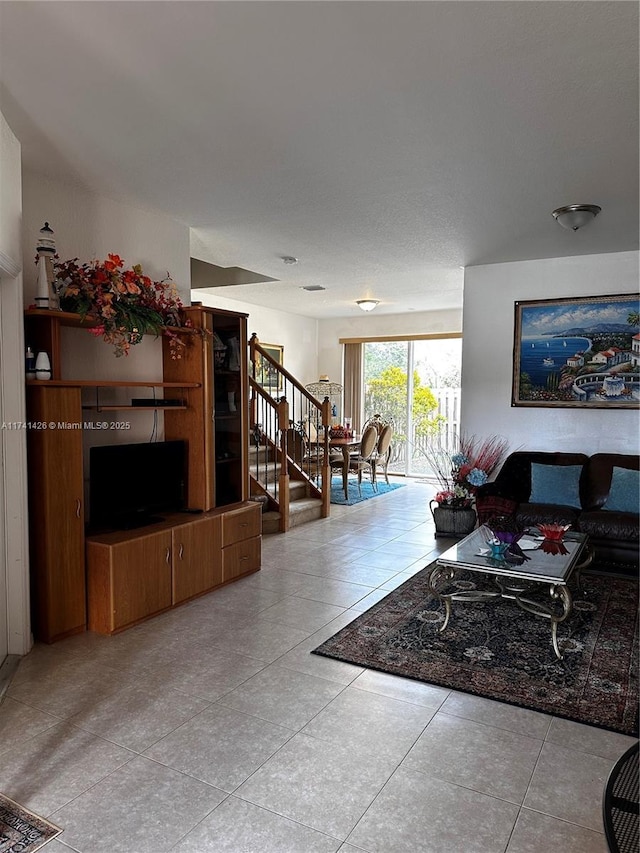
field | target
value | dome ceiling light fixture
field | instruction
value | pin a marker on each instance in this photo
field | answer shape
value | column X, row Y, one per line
column 289, row 260
column 367, row 304
column 574, row 216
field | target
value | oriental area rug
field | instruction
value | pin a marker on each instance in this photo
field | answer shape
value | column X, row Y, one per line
column 21, row 831
column 496, row 650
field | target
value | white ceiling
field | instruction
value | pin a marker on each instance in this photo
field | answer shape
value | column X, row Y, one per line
column 384, row 144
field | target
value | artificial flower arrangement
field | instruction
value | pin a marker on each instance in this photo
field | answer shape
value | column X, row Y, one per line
column 123, row 303
column 459, row 472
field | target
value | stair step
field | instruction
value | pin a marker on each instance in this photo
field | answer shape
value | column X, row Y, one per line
column 300, row 512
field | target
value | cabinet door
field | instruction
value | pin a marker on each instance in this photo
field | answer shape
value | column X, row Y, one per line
column 141, row 577
column 56, row 512
column 197, row 558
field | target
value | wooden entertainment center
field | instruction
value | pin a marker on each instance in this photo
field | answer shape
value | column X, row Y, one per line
column 112, row 580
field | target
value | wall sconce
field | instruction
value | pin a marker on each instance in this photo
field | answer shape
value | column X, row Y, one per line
column 574, row 216
column 367, row 304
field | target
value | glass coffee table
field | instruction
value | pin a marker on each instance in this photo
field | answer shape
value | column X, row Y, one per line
column 547, row 566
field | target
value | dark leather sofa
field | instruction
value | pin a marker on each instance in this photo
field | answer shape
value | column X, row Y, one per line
column 614, row 535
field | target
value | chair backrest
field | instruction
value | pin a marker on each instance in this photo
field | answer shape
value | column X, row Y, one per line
column 385, row 440
column 296, row 445
column 368, row 442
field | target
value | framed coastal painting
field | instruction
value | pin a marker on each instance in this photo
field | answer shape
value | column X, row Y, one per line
column 577, row 352
column 266, row 374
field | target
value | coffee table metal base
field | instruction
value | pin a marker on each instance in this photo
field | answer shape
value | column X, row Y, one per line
column 511, row 588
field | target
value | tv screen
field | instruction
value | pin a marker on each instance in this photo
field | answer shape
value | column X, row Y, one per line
column 130, row 483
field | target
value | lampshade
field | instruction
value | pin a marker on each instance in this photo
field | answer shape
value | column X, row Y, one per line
column 367, row 304
column 574, row 216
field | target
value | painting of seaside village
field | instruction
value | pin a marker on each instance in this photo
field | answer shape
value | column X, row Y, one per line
column 578, row 352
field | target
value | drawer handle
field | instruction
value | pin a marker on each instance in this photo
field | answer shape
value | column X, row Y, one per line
column 181, row 550
column 78, row 507
column 168, row 556
column 243, row 558
column 244, row 524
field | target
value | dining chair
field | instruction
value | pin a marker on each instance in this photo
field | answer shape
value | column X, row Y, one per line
column 383, row 450
column 364, row 460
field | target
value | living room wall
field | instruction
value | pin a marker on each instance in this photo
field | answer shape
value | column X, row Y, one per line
column 298, row 335
column 487, row 355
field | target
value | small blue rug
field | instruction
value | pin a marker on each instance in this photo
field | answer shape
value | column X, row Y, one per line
column 337, row 492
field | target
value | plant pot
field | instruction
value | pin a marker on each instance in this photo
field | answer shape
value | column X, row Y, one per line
column 453, row 521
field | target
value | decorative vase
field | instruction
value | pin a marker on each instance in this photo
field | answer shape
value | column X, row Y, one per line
column 43, row 366
column 453, row 521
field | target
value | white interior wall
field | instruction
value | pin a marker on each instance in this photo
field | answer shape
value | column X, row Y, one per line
column 298, row 335
column 371, row 325
column 14, row 559
column 487, row 354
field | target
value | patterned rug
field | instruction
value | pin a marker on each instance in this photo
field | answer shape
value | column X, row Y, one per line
column 337, row 492
column 496, row 650
column 21, row 831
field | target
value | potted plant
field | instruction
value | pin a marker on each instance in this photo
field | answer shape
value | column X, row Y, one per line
column 459, row 471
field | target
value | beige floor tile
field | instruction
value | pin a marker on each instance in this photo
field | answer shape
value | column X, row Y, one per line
column 129, row 811
column 136, row 718
column 539, row 833
column 361, row 573
column 405, row 689
column 589, row 739
column 20, row 722
column 569, row 784
column 514, row 719
column 370, row 724
column 302, row 613
column 220, row 746
column 486, row 759
column 282, row 696
column 417, row 813
column 262, row 639
column 325, row 786
column 56, row 766
column 332, row 591
column 236, row 826
column 301, row 660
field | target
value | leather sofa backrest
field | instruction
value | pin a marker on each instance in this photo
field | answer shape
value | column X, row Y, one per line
column 515, row 475
column 598, row 472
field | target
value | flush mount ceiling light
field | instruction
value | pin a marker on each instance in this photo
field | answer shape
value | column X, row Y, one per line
column 574, row 216
column 367, row 304
column 289, row 259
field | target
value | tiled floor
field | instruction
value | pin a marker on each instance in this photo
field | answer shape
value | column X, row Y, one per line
column 212, row 728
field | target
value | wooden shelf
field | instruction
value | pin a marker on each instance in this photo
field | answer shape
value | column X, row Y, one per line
column 106, row 383
column 127, row 407
column 67, row 318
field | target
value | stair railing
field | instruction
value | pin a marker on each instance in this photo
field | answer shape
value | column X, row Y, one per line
column 278, row 402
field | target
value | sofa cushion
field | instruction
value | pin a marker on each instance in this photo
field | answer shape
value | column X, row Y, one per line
column 624, row 494
column 530, row 514
column 555, row 484
column 599, row 474
column 601, row 524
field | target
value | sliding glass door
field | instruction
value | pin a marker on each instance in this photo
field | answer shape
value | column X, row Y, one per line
column 416, row 384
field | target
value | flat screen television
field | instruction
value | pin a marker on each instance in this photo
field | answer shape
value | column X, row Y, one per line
column 129, row 484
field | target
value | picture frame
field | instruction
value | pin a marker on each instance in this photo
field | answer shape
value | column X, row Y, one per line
column 266, row 375
column 577, row 352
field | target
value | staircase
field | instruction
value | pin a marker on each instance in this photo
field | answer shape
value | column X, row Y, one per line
column 303, row 506
column 281, row 408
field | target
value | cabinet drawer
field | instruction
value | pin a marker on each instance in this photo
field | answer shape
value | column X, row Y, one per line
column 240, row 524
column 241, row 558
